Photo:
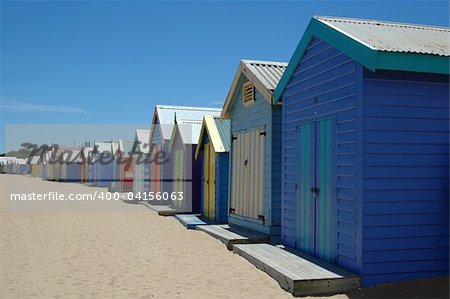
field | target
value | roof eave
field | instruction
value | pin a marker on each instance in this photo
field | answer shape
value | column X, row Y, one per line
column 413, row 62
column 226, row 106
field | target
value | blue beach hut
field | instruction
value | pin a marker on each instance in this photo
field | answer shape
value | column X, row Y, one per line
column 255, row 155
column 365, row 181
column 213, row 150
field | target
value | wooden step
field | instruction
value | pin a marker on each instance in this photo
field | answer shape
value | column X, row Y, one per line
column 298, row 273
column 233, row 235
column 163, row 210
column 190, row 221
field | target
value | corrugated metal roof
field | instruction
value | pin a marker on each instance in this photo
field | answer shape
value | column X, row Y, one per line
column 224, row 129
column 392, row 36
column 143, row 137
column 103, row 146
column 267, row 72
column 166, row 116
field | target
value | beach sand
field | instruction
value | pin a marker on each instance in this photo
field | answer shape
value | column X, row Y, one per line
column 111, row 249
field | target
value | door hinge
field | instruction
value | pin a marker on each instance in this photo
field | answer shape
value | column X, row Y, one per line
column 261, row 217
column 262, row 133
column 232, row 211
column 234, row 137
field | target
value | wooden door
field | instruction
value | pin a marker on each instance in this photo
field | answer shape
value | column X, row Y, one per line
column 316, row 189
column 209, row 182
column 247, row 177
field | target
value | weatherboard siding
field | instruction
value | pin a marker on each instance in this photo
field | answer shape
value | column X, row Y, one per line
column 324, row 85
column 244, row 118
column 275, row 170
column 406, row 183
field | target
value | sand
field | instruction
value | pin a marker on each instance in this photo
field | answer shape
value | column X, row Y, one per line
column 112, row 249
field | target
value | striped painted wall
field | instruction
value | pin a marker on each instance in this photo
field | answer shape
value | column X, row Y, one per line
column 406, row 176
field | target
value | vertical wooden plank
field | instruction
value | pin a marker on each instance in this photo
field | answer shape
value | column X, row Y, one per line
column 237, row 174
column 252, row 180
column 305, row 210
column 262, row 142
column 257, row 174
column 212, row 183
column 205, row 179
column 324, row 224
column 246, row 178
column 241, row 173
column 234, row 174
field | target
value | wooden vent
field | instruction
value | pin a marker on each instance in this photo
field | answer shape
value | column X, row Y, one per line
column 248, row 93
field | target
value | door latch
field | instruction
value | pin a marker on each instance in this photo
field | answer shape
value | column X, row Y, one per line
column 315, row 191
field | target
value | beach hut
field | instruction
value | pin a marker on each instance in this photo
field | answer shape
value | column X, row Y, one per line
column 35, row 165
column 2, row 165
column 186, row 170
column 9, row 165
column 366, row 147
column 91, row 169
column 126, row 164
column 43, row 173
column 255, row 155
column 103, row 162
column 213, row 150
column 141, row 161
column 86, row 153
column 57, row 163
column 71, row 164
column 50, row 165
column 115, row 182
column 163, row 120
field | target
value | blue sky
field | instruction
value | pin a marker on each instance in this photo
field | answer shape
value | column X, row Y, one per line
column 111, row 62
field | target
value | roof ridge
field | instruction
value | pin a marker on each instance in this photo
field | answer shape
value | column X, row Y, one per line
column 384, row 22
column 279, row 63
column 188, row 108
